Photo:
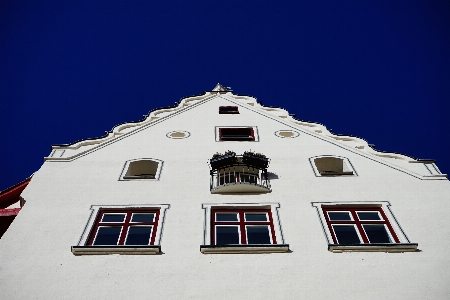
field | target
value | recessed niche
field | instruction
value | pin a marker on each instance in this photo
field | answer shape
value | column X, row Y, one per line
column 143, row 168
column 287, row 134
column 178, row 134
column 332, row 166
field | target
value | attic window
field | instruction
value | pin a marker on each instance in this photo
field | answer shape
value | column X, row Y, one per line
column 141, row 169
column 228, row 110
column 236, row 134
column 332, row 166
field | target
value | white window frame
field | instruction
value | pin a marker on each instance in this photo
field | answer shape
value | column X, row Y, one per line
column 127, row 164
column 207, row 248
column 346, row 161
column 82, row 249
column 405, row 244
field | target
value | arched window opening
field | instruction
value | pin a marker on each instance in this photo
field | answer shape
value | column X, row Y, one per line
column 333, row 166
column 142, row 169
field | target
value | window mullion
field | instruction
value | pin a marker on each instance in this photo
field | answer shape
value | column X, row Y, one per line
column 154, row 228
column 213, row 227
column 242, row 227
column 359, row 226
column 272, row 229
column 388, row 224
column 125, row 226
column 330, row 228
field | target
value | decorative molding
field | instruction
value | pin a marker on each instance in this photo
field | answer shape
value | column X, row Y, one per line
column 351, row 143
column 244, row 249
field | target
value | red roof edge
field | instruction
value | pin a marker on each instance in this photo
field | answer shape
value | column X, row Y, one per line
column 12, row 194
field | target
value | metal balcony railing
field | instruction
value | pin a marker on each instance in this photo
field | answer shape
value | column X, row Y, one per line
column 239, row 178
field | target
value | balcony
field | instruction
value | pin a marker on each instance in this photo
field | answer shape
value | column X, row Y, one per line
column 231, row 173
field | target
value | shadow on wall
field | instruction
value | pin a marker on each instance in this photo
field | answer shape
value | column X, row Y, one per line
column 272, row 176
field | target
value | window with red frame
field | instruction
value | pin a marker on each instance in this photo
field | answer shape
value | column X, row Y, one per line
column 237, row 134
column 132, row 227
column 242, row 226
column 359, row 225
column 228, row 110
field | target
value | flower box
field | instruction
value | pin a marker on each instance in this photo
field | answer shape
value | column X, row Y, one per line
column 222, row 161
column 255, row 160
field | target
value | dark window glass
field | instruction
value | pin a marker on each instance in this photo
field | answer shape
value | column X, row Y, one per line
column 107, row 235
column 258, row 235
column 339, row 216
column 370, row 215
column 256, row 217
column 138, row 235
column 346, row 234
column 228, row 110
column 113, row 218
column 377, row 234
column 142, row 217
column 226, row 235
column 236, row 134
column 226, row 217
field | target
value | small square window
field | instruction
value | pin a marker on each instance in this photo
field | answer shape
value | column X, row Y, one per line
column 364, row 222
column 122, row 230
column 326, row 166
column 228, row 110
column 252, row 227
column 114, row 227
column 142, row 169
column 363, row 227
column 242, row 229
column 236, row 133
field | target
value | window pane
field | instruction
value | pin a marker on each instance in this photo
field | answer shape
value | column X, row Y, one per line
column 346, row 234
column 258, row 235
column 370, row 215
column 226, row 217
column 113, row 218
column 142, row 217
column 339, row 216
column 255, row 217
column 236, row 134
column 377, row 233
column 107, row 235
column 226, row 235
column 139, row 235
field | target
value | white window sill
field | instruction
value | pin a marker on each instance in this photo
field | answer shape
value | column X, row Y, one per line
column 390, row 248
column 106, row 250
column 242, row 249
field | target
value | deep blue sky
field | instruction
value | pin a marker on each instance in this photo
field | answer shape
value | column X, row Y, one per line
column 71, row 70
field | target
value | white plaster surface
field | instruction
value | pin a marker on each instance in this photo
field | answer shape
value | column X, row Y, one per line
column 35, row 253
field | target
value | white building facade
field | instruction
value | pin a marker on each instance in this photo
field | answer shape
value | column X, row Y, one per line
column 221, row 197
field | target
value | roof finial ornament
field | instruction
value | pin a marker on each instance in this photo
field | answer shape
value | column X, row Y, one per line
column 220, row 87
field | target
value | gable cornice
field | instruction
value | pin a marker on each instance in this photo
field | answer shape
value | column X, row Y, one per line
column 351, row 143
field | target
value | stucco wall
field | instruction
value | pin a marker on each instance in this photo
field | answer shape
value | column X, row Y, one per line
column 36, row 261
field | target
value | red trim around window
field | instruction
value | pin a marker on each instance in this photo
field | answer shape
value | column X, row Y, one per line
column 125, row 225
column 242, row 223
column 359, row 223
